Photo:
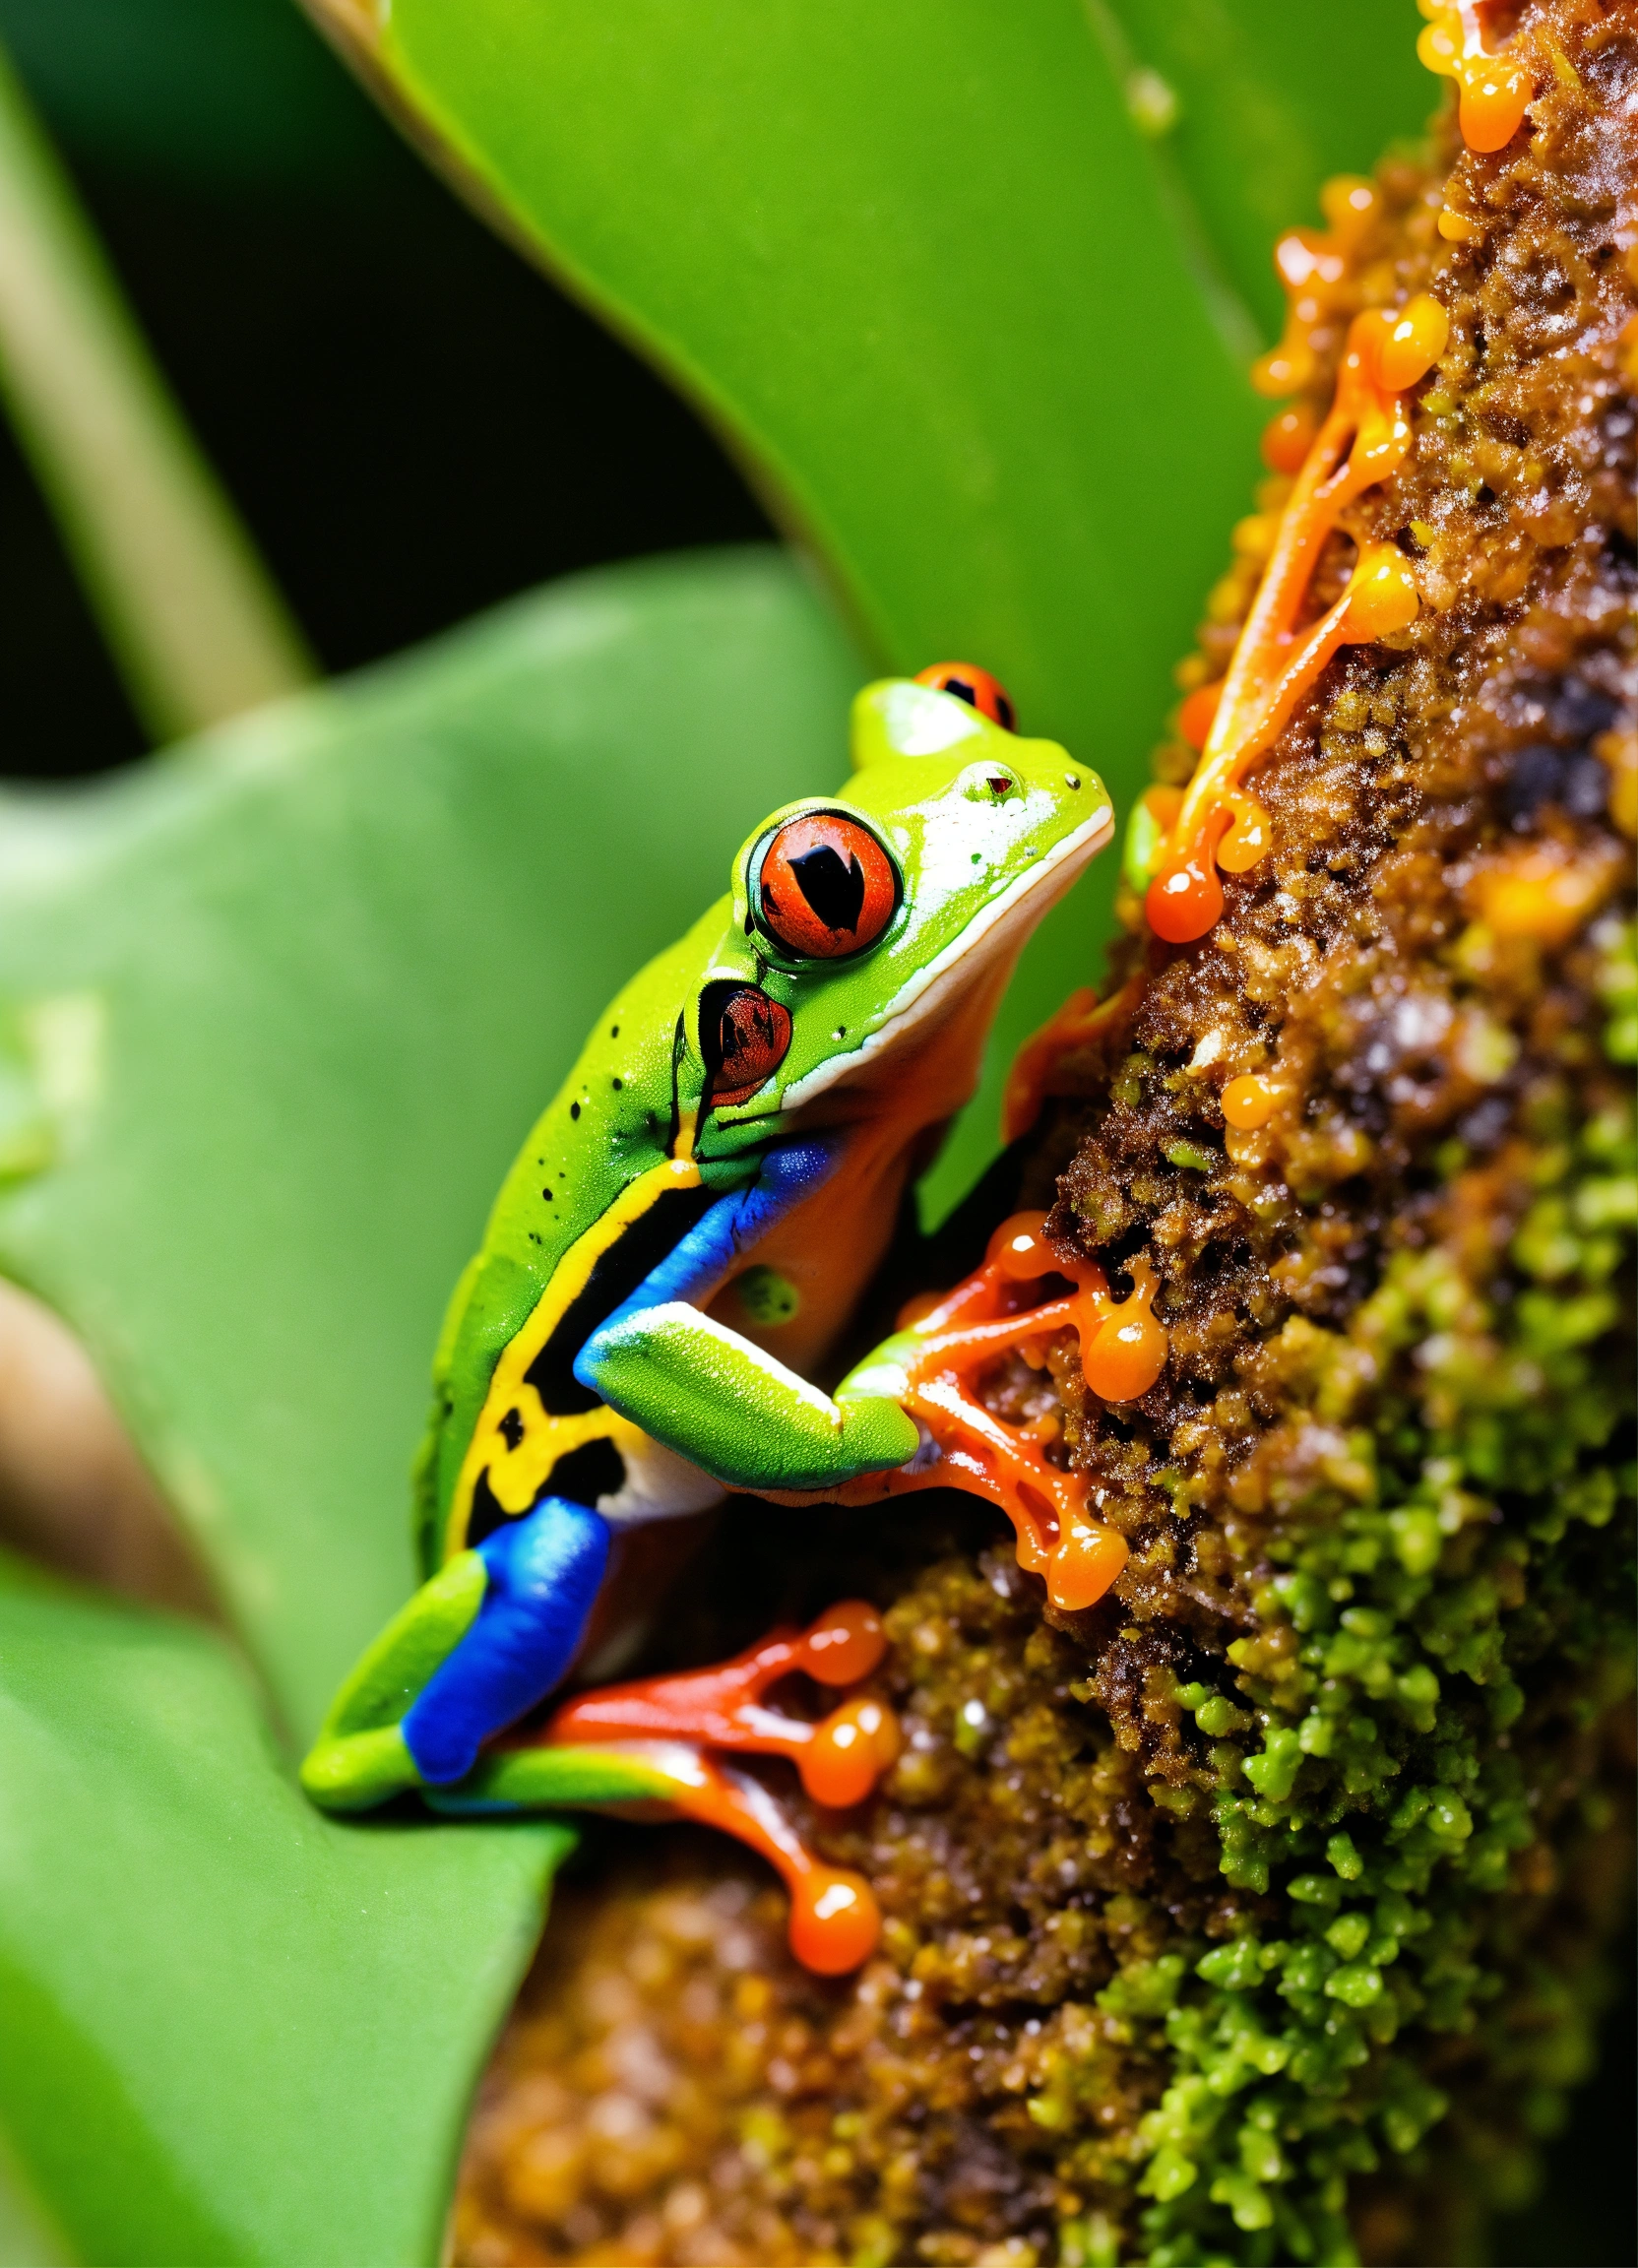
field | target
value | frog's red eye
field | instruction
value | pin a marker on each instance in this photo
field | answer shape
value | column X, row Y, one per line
column 975, row 686
column 744, row 1038
column 822, row 887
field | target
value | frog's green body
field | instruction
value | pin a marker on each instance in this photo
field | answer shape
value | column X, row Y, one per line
column 691, row 1222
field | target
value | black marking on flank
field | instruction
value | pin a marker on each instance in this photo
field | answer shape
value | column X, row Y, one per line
column 596, row 1468
column 511, row 1429
column 574, row 1110
column 617, row 1274
column 488, row 1513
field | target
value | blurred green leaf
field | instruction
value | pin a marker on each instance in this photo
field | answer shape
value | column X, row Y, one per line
column 225, row 92
column 280, row 1011
column 981, row 333
column 233, row 2030
column 194, row 621
column 1270, row 96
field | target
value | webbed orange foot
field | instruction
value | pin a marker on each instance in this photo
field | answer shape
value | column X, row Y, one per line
column 944, row 1345
column 672, row 1728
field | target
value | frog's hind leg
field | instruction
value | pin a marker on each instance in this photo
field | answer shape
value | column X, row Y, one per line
column 477, row 1648
column 543, row 1573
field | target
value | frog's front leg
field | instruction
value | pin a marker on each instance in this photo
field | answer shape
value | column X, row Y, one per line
column 718, row 1400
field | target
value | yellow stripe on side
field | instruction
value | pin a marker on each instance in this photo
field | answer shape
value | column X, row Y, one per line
column 517, row 1468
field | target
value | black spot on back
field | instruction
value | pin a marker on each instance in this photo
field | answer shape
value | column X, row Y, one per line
column 833, row 888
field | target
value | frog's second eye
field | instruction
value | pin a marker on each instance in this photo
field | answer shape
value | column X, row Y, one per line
column 744, row 1038
column 822, row 887
column 975, row 686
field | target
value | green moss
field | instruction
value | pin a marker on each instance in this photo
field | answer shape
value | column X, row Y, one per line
column 1373, row 1799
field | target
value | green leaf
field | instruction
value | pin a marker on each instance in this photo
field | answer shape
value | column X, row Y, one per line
column 1271, row 97
column 982, row 335
column 281, row 1010
column 233, row 2030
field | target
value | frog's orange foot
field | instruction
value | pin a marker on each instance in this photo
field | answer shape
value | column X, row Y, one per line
column 839, row 1757
column 672, row 1728
column 993, row 1312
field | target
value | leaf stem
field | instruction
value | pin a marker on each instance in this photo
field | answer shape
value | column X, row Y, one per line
column 195, row 625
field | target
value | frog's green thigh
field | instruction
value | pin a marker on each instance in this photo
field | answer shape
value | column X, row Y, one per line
column 727, row 1406
column 360, row 1757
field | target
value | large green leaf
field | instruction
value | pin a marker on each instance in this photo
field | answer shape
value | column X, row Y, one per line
column 232, row 2030
column 981, row 336
column 281, row 1010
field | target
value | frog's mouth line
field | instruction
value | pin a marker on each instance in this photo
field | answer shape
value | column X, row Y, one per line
column 1001, row 927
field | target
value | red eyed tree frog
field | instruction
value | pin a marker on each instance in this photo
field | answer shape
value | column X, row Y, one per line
column 688, row 1228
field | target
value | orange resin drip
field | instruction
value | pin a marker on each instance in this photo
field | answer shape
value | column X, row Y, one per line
column 1495, row 92
column 1363, row 440
column 669, row 1724
column 1123, row 1351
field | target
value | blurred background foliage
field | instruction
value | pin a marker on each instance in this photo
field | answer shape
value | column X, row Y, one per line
column 413, row 421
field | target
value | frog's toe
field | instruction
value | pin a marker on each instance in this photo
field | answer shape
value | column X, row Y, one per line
column 352, row 1771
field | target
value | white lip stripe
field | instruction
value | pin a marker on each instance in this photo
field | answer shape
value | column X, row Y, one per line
column 921, row 996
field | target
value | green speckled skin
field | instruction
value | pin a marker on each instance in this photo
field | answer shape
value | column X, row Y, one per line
column 575, row 1388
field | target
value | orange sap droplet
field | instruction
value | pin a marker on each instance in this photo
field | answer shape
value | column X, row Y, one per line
column 1493, row 100
column 1382, row 595
column 1194, row 717
column 1249, row 1101
column 1287, row 438
column 1249, row 834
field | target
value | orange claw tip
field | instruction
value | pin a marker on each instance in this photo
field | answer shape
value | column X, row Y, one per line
column 849, row 1753
column 1019, row 1248
column 845, row 1645
column 1086, row 1562
column 1420, row 336
column 1382, row 595
column 1127, row 1356
column 836, row 1924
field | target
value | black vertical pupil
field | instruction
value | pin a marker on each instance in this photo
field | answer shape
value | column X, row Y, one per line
column 833, row 886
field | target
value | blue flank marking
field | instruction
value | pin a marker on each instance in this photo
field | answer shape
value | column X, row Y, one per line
column 734, row 1224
